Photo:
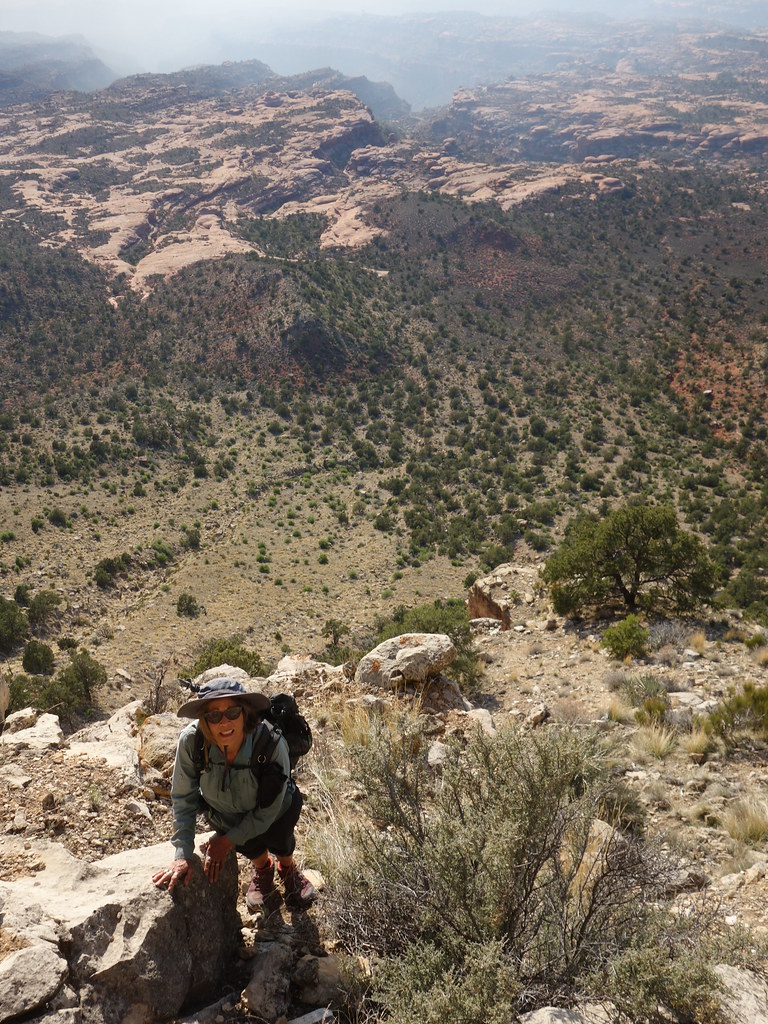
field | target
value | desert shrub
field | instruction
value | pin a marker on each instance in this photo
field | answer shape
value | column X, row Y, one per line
column 108, row 568
column 746, row 711
column 335, row 650
column 626, row 639
column 227, row 651
column 755, row 641
column 37, row 659
column 13, row 625
column 187, row 605
column 646, row 693
column 57, row 517
column 667, row 632
column 494, row 889
column 21, row 595
column 71, row 690
column 41, row 609
column 449, row 617
column 22, row 692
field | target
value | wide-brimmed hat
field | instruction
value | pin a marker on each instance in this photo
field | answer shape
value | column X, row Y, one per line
column 223, row 687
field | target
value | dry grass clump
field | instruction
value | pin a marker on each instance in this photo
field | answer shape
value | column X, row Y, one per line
column 761, row 658
column 698, row 742
column 698, row 641
column 654, row 741
column 618, row 710
column 747, row 820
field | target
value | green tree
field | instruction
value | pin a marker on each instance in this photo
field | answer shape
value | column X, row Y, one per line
column 13, row 625
column 37, row 659
column 638, row 555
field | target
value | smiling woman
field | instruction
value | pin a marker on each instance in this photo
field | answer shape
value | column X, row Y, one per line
column 213, row 773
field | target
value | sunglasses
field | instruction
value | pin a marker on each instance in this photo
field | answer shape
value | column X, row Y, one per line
column 231, row 714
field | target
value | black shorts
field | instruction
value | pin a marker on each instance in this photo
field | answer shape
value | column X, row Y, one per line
column 279, row 838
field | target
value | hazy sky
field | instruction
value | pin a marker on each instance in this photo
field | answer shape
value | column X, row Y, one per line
column 164, row 35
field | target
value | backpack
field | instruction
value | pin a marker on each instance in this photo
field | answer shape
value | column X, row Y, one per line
column 283, row 719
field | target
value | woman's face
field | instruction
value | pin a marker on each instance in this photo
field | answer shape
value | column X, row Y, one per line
column 228, row 732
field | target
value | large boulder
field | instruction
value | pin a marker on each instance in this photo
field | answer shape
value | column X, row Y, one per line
column 124, row 950
column 403, row 660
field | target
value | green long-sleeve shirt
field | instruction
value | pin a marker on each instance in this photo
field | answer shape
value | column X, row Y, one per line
column 231, row 793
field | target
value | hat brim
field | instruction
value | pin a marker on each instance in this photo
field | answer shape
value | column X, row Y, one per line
column 257, row 702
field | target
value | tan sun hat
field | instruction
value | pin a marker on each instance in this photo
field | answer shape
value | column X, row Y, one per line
column 218, row 688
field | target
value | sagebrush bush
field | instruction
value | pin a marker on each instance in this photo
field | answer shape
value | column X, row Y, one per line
column 495, row 883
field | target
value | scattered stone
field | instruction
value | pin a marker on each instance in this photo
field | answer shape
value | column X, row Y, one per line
column 537, row 715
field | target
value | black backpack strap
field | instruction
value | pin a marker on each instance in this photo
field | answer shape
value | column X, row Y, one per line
column 268, row 773
column 200, row 752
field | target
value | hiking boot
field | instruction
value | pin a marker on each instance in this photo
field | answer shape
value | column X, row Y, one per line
column 261, row 888
column 299, row 891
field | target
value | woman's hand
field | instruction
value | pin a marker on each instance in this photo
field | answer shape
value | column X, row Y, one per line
column 215, row 855
column 180, row 870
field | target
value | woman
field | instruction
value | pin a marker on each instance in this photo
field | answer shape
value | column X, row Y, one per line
column 227, row 790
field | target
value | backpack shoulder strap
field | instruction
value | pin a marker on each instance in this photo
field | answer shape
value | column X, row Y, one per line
column 200, row 752
column 265, row 740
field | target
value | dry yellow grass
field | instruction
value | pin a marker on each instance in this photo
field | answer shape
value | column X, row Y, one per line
column 747, row 820
column 698, row 641
column 654, row 741
column 698, row 743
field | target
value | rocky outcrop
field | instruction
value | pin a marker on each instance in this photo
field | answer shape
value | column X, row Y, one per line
column 500, row 594
column 101, row 939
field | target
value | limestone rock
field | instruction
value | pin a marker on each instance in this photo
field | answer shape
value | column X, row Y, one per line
column 29, row 978
column 267, row 994
column 113, row 741
column 297, row 673
column 134, row 952
column 494, row 596
column 319, row 980
column 410, row 658
column 746, row 998
column 44, row 734
column 221, row 672
column 159, row 736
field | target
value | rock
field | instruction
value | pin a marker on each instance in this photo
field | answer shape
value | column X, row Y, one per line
column 410, row 658
column 113, row 741
column 295, row 673
column 29, row 978
column 158, row 738
column 691, row 655
column 746, row 998
column 19, row 720
column 495, row 595
column 221, row 672
column 320, row 1016
column 590, row 1013
column 437, row 754
column 13, row 776
column 44, row 734
column 482, row 718
column 267, row 994
column 135, row 953
column 538, row 714
column 318, row 980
